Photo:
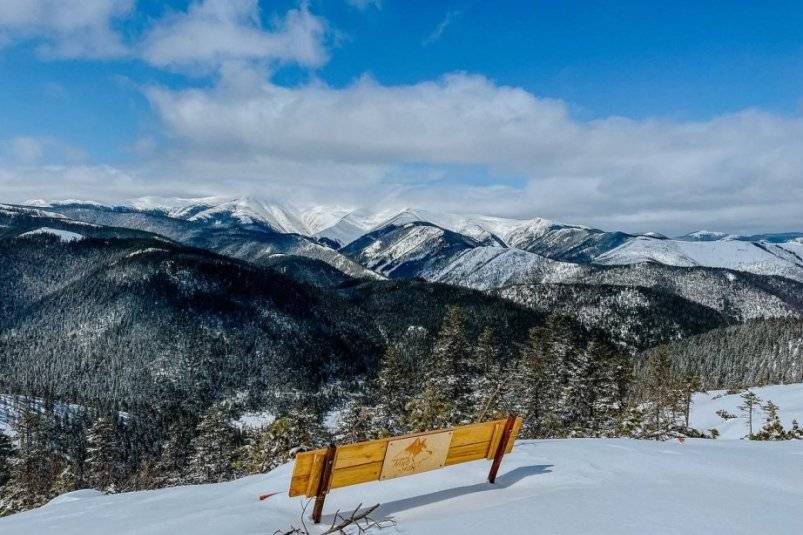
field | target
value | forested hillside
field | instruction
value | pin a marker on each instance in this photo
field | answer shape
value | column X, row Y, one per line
column 754, row 353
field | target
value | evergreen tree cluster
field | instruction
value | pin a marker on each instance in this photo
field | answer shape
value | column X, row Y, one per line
column 560, row 379
column 754, row 353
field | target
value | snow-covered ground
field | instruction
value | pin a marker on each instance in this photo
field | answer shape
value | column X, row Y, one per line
column 579, row 486
column 703, row 415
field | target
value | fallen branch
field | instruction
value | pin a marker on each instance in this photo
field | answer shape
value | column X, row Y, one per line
column 359, row 519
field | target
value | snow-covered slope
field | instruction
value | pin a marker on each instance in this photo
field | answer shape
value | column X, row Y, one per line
column 63, row 235
column 485, row 268
column 406, row 250
column 703, row 415
column 579, row 486
column 762, row 258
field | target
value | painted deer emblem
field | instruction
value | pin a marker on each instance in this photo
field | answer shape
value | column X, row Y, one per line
column 407, row 458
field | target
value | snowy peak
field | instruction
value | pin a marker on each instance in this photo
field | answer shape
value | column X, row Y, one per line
column 705, row 235
column 248, row 211
column 413, row 249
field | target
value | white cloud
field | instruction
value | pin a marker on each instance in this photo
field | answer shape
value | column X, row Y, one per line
column 213, row 32
column 65, row 28
column 611, row 172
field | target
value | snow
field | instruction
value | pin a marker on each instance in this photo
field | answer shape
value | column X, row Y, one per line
column 146, row 251
column 412, row 244
column 705, row 405
column 705, row 235
column 762, row 258
column 493, row 267
column 576, row 486
column 248, row 211
column 254, row 420
column 65, row 236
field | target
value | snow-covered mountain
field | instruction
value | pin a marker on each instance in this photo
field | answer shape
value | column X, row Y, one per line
column 762, row 257
column 419, row 243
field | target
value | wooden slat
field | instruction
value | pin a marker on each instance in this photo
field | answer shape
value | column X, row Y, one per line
column 493, row 444
column 363, row 473
column 315, row 474
column 472, row 434
column 514, row 434
column 361, row 453
column 466, row 453
column 301, row 471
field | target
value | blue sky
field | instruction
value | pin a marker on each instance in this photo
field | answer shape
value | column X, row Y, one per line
column 635, row 115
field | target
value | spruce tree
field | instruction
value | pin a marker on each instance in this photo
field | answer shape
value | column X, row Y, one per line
column 7, row 452
column 772, row 429
column 173, row 462
column 631, row 423
column 749, row 403
column 660, row 393
column 104, row 454
column 796, row 432
column 530, row 386
column 299, row 430
column 429, row 410
column 392, row 388
column 446, row 397
column 356, row 422
column 214, row 448
column 36, row 468
column 610, row 374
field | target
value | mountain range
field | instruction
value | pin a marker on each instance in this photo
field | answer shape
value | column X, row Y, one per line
column 384, row 240
column 641, row 289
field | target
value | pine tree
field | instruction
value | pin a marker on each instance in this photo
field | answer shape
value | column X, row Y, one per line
column 446, row 395
column 528, row 388
column 577, row 397
column 493, row 396
column 7, row 452
column 749, row 403
column 564, row 368
column 632, row 423
column 429, row 410
column 299, row 430
column 392, row 388
column 35, row 469
column 611, row 374
column 104, row 455
column 660, row 393
column 173, row 462
column 67, row 480
column 796, row 432
column 214, row 448
column 356, row 422
column 773, row 429
column 485, row 372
